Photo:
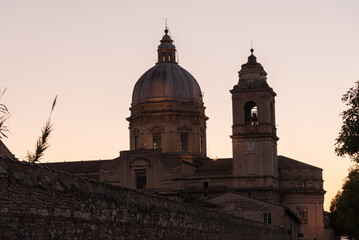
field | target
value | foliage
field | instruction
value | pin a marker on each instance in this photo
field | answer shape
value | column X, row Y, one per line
column 42, row 143
column 4, row 115
column 344, row 207
column 348, row 139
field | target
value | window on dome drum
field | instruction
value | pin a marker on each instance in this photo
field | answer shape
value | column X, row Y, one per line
column 156, row 137
column 136, row 143
column 201, row 150
column 272, row 112
column 251, row 113
column 184, row 142
column 267, row 218
column 141, row 178
column 302, row 213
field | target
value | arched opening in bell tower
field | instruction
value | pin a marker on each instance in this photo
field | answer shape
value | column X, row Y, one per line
column 251, row 113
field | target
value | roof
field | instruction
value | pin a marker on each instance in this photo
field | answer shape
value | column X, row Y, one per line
column 286, row 209
column 244, row 196
column 166, row 80
column 202, row 203
column 5, row 152
column 221, row 166
column 252, row 74
column 78, row 166
column 289, row 163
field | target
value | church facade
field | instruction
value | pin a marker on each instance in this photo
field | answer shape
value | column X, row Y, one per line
column 167, row 155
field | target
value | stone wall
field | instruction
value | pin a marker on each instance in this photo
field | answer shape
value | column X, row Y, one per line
column 37, row 202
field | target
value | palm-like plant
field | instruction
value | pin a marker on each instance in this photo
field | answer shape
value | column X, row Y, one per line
column 42, row 143
column 4, row 115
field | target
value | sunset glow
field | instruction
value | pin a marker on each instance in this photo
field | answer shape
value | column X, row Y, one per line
column 91, row 53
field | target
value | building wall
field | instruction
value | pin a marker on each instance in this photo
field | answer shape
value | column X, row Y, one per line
column 249, row 208
column 39, row 203
column 301, row 178
column 159, row 170
column 168, row 119
column 302, row 190
column 313, row 228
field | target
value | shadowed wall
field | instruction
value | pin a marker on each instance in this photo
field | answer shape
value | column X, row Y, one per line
column 40, row 203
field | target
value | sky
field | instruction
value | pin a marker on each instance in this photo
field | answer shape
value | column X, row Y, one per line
column 90, row 53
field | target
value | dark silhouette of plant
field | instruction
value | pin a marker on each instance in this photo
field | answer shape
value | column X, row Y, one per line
column 4, row 115
column 42, row 143
column 344, row 207
column 347, row 143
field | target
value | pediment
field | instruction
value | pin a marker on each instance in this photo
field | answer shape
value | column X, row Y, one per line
column 140, row 162
column 156, row 128
column 184, row 128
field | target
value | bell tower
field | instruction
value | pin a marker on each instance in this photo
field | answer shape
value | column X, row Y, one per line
column 254, row 139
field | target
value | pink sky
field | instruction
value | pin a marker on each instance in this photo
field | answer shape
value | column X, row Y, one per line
column 91, row 53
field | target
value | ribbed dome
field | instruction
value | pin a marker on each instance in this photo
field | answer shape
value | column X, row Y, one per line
column 166, row 80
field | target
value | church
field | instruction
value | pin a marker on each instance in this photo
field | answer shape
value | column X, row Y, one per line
column 167, row 155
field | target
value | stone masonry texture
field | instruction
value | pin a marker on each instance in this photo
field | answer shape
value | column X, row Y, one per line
column 37, row 202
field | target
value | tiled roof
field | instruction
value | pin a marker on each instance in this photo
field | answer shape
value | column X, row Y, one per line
column 5, row 152
column 78, row 166
column 202, row 203
column 221, row 166
column 288, row 163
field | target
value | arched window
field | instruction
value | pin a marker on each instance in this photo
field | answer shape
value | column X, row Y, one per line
column 136, row 138
column 156, row 140
column 251, row 113
column 272, row 113
column 140, row 178
column 137, row 142
column 184, row 142
column 201, row 144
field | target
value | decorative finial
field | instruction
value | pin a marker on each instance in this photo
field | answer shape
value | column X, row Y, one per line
column 252, row 50
column 166, row 29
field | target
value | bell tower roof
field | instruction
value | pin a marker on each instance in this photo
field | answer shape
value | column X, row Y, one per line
column 252, row 59
column 252, row 73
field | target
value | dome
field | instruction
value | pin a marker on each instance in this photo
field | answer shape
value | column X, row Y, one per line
column 166, row 79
